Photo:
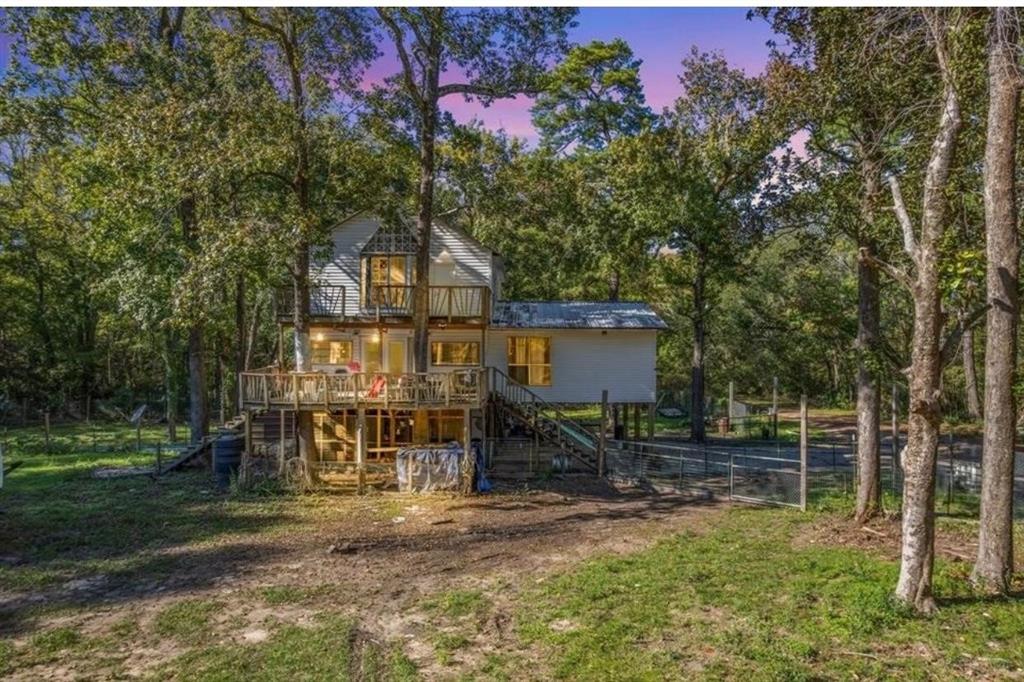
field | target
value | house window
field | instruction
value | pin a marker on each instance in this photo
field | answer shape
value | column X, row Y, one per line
column 388, row 277
column 529, row 360
column 455, row 353
column 331, row 352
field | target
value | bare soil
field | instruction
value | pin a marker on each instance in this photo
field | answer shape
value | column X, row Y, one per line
column 376, row 558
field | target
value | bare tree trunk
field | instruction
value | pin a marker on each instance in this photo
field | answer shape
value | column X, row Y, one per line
column 914, row 587
column 869, row 484
column 970, row 376
column 425, row 217
column 994, row 565
column 198, row 414
column 240, row 345
column 697, row 365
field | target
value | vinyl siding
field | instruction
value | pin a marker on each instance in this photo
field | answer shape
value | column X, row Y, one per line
column 472, row 264
column 586, row 361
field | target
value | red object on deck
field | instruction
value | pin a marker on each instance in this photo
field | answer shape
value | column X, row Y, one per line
column 377, row 386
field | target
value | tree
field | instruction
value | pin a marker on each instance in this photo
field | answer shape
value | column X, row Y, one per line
column 851, row 98
column 994, row 565
column 592, row 97
column 309, row 53
column 702, row 181
column 501, row 52
column 922, row 247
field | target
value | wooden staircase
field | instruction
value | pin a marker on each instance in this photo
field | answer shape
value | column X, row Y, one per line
column 543, row 419
column 192, row 452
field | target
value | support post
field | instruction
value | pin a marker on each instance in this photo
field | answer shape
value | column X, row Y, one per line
column 636, row 422
column 469, row 472
column 602, row 434
column 280, row 451
column 895, row 427
column 615, row 420
column 361, row 450
column 803, row 452
column 651, row 416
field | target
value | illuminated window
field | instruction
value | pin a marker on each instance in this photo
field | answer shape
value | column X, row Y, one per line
column 455, row 353
column 529, row 360
column 331, row 352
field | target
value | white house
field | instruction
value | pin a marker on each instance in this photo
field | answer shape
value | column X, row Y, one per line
column 483, row 349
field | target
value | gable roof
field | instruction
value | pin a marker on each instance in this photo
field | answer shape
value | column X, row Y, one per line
column 576, row 315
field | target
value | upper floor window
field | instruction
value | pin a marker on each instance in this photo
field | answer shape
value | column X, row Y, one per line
column 529, row 360
column 386, row 279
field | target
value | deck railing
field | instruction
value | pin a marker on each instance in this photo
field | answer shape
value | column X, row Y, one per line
column 318, row 390
column 446, row 302
column 324, row 301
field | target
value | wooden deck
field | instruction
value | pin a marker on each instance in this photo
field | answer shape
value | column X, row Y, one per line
column 449, row 303
column 271, row 389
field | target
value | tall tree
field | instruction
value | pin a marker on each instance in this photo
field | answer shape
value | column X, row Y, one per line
column 702, row 181
column 500, row 52
column 923, row 249
column 310, row 54
column 994, row 565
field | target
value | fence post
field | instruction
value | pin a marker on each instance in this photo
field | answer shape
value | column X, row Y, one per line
column 803, row 452
column 602, row 434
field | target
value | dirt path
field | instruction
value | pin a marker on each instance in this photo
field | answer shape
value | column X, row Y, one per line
column 375, row 558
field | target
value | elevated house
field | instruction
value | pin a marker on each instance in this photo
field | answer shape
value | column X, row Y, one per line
column 497, row 367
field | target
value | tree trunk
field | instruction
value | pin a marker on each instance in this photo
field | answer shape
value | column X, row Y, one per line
column 240, row 345
column 914, row 587
column 300, row 319
column 171, row 357
column 614, row 284
column 869, row 484
column 198, row 416
column 971, row 377
column 994, row 565
column 424, row 220
column 697, row 365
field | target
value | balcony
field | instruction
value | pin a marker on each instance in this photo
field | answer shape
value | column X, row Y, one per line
column 325, row 302
column 449, row 303
column 272, row 389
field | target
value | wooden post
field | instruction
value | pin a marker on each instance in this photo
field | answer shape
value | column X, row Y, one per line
column 615, row 420
column 46, row 428
column 247, row 426
column 602, row 434
column 469, row 472
column 895, row 434
column 803, row 453
column 636, row 422
column 281, row 458
column 361, row 450
column 651, row 417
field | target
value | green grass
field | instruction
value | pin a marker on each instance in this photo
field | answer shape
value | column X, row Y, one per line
column 458, row 603
column 331, row 650
column 186, row 619
column 739, row 600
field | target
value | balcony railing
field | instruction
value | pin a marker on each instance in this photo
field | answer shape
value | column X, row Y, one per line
column 321, row 391
column 324, row 301
column 446, row 302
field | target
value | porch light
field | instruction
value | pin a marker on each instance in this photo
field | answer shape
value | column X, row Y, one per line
column 319, row 336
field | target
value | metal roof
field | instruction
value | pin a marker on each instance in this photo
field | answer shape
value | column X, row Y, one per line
column 576, row 315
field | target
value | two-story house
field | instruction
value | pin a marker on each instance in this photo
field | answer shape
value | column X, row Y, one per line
column 526, row 357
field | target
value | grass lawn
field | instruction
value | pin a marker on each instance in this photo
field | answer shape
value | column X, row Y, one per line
column 168, row 580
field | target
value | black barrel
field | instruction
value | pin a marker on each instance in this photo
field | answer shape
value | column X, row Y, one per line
column 227, row 455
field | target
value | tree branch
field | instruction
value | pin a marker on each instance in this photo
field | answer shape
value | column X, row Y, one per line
column 949, row 346
column 865, row 255
column 474, row 89
column 900, row 207
column 408, row 73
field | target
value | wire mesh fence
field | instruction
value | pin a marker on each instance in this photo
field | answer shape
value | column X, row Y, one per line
column 770, row 473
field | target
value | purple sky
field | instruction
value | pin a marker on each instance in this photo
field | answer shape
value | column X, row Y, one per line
column 658, row 36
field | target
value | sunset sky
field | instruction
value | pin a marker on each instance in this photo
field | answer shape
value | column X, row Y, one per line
column 658, row 36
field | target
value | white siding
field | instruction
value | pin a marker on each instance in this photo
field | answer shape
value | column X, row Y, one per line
column 471, row 263
column 586, row 361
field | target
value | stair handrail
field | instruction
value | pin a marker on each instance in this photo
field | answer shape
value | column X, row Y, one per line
column 534, row 399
